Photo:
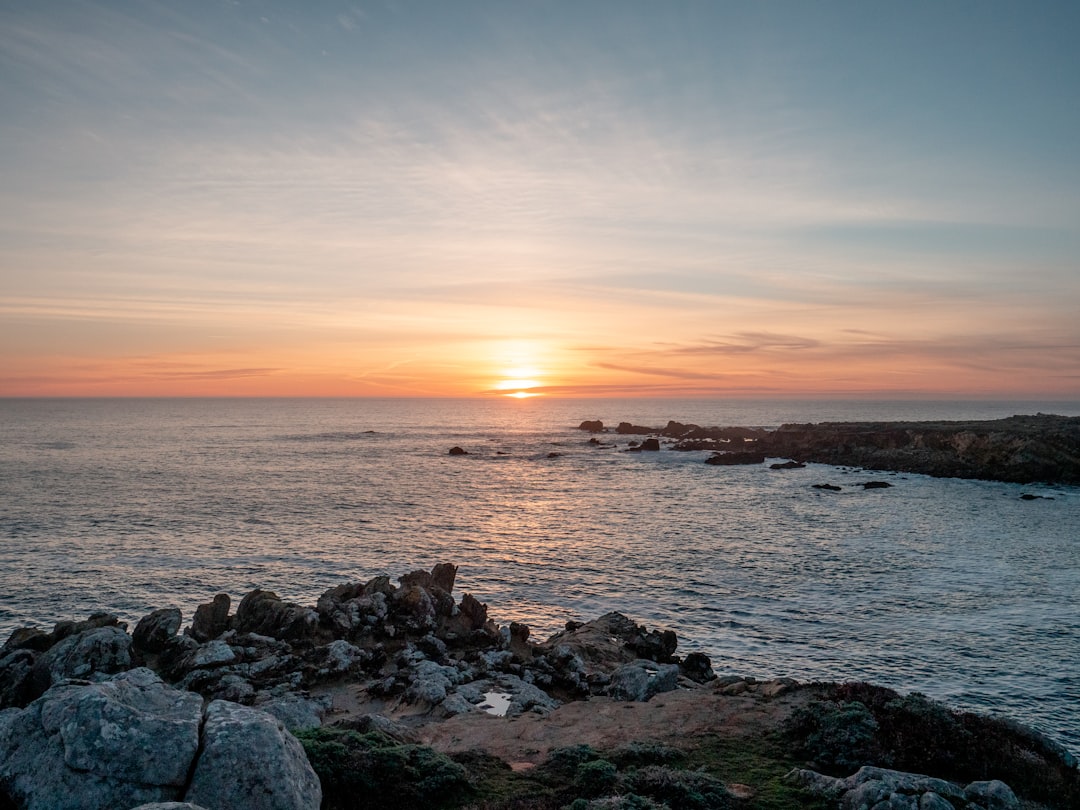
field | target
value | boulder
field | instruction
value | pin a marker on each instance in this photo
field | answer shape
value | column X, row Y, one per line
column 604, row 643
column 155, row 629
column 118, row 743
column 90, row 654
column 472, row 614
column 443, row 576
column 27, row 638
column 641, row 680
column 249, row 760
column 16, row 683
column 884, row 789
column 697, row 667
column 263, row 612
column 214, row 653
column 352, row 609
column 877, row 485
column 338, row 658
column 787, row 465
column 458, row 451
column 431, row 683
column 993, row 795
column 650, row 445
column 655, row 645
column 211, row 619
column 295, row 711
column 101, row 618
column 415, row 608
column 592, row 426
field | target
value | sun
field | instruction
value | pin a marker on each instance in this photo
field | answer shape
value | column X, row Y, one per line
column 519, row 381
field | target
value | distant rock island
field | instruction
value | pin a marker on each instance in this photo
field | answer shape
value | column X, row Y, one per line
column 1019, row 449
column 402, row 696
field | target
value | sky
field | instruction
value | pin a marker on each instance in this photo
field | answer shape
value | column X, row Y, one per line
column 586, row 198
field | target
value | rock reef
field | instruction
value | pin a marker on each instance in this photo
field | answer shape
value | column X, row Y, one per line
column 406, row 693
column 1018, row 449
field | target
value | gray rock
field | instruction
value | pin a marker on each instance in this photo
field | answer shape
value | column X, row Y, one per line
column 16, row 687
column 525, row 697
column 932, row 801
column 212, row 654
column 993, row 795
column 155, row 629
column 249, row 760
column 818, row 783
column 108, row 728
column 114, row 744
column 865, row 795
column 88, row 655
column 263, row 612
column 697, row 667
column 873, row 788
column 294, row 711
column 903, row 782
column 641, row 680
column 211, row 619
column 431, row 683
column 455, row 704
column 339, row 657
column 27, row 638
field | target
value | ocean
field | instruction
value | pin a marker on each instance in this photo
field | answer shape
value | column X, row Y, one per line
column 955, row 588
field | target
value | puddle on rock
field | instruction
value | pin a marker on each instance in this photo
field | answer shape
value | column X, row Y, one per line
column 496, row 703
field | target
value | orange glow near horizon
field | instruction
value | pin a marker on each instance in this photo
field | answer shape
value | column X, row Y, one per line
column 809, row 363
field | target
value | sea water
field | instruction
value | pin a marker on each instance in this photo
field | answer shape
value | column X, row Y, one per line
column 955, row 588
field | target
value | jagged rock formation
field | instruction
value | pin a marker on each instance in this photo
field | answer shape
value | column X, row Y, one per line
column 91, row 717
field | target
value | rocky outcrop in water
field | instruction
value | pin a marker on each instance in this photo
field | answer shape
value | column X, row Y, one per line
column 1019, row 449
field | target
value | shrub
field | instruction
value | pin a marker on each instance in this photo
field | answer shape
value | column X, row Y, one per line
column 687, row 790
column 372, row 769
column 838, row 737
column 638, row 754
column 563, row 763
column 630, row 801
column 595, row 778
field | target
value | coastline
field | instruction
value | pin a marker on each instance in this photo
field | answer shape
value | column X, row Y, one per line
column 412, row 663
column 1040, row 448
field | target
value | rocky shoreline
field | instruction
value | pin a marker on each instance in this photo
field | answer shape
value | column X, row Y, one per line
column 410, row 697
column 1019, row 449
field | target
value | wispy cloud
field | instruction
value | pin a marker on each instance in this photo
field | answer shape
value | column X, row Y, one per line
column 678, row 188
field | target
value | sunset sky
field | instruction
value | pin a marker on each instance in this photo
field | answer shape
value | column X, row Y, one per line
column 580, row 198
